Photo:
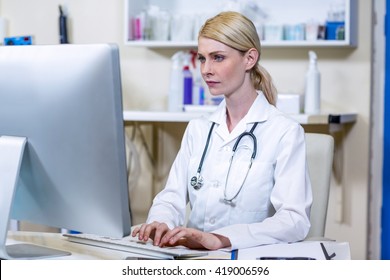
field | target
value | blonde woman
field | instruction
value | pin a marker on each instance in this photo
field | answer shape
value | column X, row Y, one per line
column 243, row 169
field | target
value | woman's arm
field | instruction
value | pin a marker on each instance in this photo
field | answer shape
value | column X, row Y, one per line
column 291, row 198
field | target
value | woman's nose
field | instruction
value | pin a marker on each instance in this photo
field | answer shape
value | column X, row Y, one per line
column 206, row 68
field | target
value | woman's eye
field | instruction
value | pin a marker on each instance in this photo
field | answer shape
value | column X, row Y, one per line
column 218, row 58
column 201, row 59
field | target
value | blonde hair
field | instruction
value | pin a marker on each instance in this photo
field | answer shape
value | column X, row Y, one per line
column 238, row 32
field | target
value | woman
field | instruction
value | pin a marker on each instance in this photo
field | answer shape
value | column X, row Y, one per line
column 260, row 196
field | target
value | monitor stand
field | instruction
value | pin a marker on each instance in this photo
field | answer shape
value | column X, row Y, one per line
column 11, row 154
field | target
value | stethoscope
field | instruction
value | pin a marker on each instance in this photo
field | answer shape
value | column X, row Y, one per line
column 197, row 180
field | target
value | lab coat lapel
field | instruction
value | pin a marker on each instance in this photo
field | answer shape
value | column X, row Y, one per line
column 257, row 113
column 227, row 137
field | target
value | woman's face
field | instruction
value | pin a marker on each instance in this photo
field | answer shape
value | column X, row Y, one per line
column 223, row 68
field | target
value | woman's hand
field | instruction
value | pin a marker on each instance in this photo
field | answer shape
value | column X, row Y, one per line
column 194, row 239
column 188, row 237
column 153, row 230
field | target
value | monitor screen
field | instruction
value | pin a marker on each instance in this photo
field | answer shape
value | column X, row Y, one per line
column 62, row 145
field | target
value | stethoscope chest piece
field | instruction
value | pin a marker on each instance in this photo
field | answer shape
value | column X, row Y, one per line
column 197, row 181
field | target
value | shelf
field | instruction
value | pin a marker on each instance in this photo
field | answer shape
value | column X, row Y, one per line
column 145, row 116
column 279, row 11
column 264, row 44
column 321, row 119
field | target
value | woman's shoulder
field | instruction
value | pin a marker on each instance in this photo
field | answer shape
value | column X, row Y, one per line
column 205, row 121
column 284, row 123
column 199, row 122
column 280, row 116
column 198, row 126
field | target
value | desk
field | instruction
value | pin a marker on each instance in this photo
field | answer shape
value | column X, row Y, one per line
column 312, row 249
column 86, row 252
column 57, row 241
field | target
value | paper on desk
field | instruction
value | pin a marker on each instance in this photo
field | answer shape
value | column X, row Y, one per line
column 214, row 255
column 310, row 249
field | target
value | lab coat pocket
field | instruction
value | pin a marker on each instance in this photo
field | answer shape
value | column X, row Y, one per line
column 255, row 193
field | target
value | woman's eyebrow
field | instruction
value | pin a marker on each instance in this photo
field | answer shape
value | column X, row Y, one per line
column 213, row 53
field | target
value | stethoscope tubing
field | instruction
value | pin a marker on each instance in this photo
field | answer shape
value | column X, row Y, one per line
column 248, row 133
column 197, row 180
column 205, row 148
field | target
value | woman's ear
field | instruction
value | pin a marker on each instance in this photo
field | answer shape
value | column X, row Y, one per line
column 251, row 57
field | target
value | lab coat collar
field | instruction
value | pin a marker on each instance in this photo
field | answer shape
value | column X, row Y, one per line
column 259, row 112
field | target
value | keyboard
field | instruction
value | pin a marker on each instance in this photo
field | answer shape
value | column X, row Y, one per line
column 133, row 245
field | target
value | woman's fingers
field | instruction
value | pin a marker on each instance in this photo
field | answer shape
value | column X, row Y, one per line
column 183, row 236
column 189, row 237
column 194, row 239
column 135, row 231
column 154, row 230
column 172, row 236
column 160, row 231
column 147, row 231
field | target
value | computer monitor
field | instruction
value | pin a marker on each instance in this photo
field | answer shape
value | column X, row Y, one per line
column 62, row 145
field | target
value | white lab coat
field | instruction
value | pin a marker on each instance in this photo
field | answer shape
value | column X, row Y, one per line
column 274, row 203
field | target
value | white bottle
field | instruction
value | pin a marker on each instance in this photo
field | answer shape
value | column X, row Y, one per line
column 175, row 95
column 3, row 29
column 313, row 84
column 198, row 90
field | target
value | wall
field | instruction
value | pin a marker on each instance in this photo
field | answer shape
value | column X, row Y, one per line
column 377, row 132
column 346, row 86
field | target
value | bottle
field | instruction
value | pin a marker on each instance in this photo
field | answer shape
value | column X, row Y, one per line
column 3, row 29
column 198, row 90
column 63, row 27
column 188, row 83
column 312, row 88
column 175, row 95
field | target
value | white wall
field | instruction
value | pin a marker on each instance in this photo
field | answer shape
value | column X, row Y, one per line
column 346, row 86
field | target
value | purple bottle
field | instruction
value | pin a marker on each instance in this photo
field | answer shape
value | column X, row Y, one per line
column 187, row 76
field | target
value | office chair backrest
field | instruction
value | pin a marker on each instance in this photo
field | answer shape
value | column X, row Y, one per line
column 320, row 149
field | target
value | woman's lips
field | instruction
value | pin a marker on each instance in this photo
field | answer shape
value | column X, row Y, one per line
column 211, row 83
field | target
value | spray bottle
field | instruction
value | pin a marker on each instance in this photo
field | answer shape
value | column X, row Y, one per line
column 175, row 95
column 312, row 89
column 187, row 81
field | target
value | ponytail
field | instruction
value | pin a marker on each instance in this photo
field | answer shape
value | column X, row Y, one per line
column 262, row 80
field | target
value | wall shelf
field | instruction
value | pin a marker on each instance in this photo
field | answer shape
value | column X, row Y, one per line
column 320, row 119
column 280, row 11
column 264, row 44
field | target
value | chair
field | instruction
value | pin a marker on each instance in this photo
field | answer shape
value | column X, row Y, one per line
column 320, row 149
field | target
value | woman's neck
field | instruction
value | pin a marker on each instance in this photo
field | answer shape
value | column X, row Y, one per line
column 237, row 107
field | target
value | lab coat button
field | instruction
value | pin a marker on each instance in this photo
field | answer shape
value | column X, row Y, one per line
column 216, row 184
column 212, row 221
column 227, row 149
